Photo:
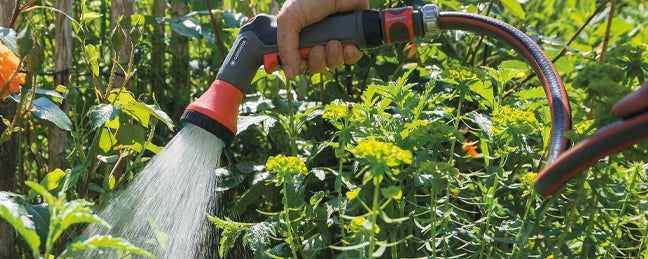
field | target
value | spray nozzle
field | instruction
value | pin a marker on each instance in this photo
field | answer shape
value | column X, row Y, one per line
column 216, row 110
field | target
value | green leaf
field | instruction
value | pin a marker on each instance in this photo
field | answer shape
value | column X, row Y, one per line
column 142, row 113
column 132, row 136
column 49, row 198
column 88, row 17
column 107, row 241
column 103, row 113
column 72, row 176
column 515, row 8
column 231, row 231
column 317, row 197
column 161, row 115
column 92, row 55
column 50, row 182
column 107, row 140
column 19, row 219
column 45, row 109
column 70, row 213
column 185, row 26
column 392, row 192
column 234, row 20
column 258, row 237
column 8, row 38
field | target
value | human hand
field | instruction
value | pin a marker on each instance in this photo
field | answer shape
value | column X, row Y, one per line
column 632, row 103
column 297, row 14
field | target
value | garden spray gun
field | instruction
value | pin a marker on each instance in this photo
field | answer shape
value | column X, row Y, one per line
column 216, row 110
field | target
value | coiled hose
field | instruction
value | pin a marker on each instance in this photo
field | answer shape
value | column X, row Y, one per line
column 553, row 86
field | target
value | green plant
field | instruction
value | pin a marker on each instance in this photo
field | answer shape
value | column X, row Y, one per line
column 52, row 219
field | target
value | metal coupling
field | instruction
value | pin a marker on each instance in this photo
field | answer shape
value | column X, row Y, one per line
column 430, row 13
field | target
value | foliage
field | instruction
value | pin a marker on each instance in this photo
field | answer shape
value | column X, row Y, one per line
column 58, row 215
column 421, row 149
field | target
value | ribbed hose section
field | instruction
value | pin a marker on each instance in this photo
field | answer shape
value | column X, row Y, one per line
column 553, row 86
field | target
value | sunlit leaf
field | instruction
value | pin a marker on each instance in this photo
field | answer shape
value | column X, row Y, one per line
column 45, row 109
column 103, row 113
column 87, row 17
column 96, row 242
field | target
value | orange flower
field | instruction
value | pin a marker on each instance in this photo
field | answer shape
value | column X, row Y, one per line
column 8, row 63
column 470, row 149
column 410, row 49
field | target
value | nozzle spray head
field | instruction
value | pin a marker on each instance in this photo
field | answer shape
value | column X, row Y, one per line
column 216, row 110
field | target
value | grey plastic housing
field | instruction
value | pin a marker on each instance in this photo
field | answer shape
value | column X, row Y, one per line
column 259, row 37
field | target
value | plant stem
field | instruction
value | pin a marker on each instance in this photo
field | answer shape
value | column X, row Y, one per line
column 16, row 12
column 539, row 217
column 606, row 40
column 341, row 145
column 516, row 247
column 291, row 239
column 374, row 217
column 219, row 43
column 570, row 214
column 489, row 212
column 93, row 158
column 616, row 237
column 433, row 217
column 457, row 119
column 292, row 131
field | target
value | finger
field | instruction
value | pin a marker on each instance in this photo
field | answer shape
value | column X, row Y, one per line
column 334, row 55
column 303, row 65
column 633, row 103
column 316, row 60
column 289, row 24
column 288, row 42
column 351, row 54
column 350, row 5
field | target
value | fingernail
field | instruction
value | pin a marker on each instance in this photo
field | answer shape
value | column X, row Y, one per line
column 302, row 67
column 289, row 71
column 318, row 54
column 348, row 52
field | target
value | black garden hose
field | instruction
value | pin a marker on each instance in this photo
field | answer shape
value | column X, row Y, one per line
column 553, row 86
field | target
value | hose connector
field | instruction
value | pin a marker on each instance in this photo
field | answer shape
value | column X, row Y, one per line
column 430, row 13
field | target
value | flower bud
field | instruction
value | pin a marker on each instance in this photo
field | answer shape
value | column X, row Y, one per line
column 135, row 35
column 117, row 38
column 35, row 59
column 25, row 42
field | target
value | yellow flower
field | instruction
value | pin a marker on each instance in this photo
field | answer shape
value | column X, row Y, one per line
column 8, row 63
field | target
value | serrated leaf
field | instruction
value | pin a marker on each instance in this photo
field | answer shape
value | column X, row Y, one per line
column 107, row 241
column 231, row 231
column 45, row 109
column 70, row 213
column 103, row 113
column 88, row 17
column 258, row 237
